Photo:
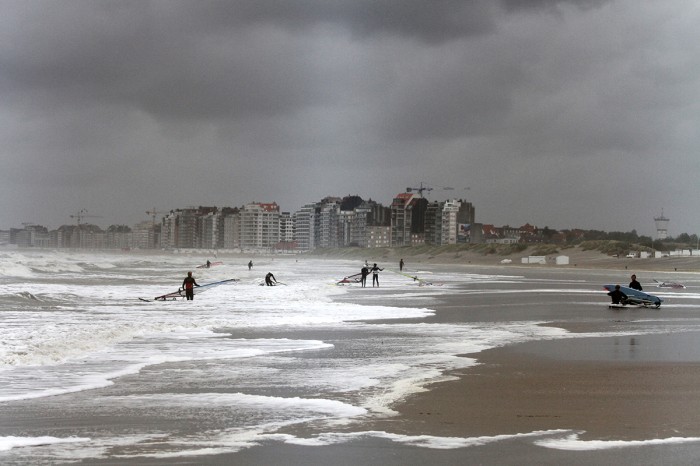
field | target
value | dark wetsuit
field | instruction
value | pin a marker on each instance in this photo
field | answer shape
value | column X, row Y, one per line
column 617, row 296
column 188, row 284
column 635, row 285
column 268, row 279
column 363, row 279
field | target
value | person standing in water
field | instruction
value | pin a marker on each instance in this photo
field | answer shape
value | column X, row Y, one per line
column 188, row 284
column 364, row 271
column 375, row 274
column 268, row 279
column 634, row 284
column 401, row 265
column 250, row 265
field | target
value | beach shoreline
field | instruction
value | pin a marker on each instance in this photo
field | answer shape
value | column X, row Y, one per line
column 512, row 390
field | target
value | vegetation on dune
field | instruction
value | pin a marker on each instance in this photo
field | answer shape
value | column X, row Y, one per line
column 609, row 247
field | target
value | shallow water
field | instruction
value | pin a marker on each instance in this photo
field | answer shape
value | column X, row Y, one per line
column 88, row 371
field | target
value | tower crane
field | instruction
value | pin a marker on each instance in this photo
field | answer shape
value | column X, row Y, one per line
column 425, row 187
column 81, row 214
column 153, row 212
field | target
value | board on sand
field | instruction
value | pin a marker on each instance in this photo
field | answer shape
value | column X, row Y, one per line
column 637, row 297
column 180, row 293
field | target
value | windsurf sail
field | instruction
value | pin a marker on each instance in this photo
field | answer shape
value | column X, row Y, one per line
column 350, row 279
column 637, row 297
column 669, row 284
column 211, row 264
column 180, row 293
column 415, row 278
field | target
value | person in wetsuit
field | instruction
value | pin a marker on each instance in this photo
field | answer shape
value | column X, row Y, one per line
column 188, row 285
column 268, row 279
column 364, row 271
column 375, row 274
column 634, row 284
column 617, row 295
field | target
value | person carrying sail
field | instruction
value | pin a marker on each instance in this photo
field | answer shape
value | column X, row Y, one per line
column 617, row 295
column 188, row 285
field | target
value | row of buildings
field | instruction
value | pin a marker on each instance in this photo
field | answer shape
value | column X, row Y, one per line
column 333, row 222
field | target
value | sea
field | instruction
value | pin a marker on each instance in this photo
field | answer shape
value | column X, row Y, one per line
column 93, row 369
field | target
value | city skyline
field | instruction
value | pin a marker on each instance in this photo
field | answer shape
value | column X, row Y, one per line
column 560, row 113
column 155, row 215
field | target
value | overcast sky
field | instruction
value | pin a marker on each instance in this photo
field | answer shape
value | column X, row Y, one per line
column 566, row 114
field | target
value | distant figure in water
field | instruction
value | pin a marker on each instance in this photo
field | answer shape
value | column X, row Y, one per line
column 250, row 265
column 401, row 265
column 188, row 284
column 634, row 284
column 375, row 274
column 268, row 279
column 617, row 295
column 364, row 271
column 208, row 263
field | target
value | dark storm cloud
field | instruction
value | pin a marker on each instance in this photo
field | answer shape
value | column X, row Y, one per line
column 119, row 106
column 514, row 5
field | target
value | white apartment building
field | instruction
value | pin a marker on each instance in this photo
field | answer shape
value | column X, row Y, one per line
column 260, row 226
column 304, row 227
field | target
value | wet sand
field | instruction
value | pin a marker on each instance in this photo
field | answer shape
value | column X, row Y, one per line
column 515, row 392
column 619, row 387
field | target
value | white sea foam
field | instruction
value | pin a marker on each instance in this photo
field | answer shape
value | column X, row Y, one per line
column 8, row 443
column 572, row 442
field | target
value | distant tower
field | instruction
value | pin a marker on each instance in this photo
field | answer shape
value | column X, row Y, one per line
column 661, row 226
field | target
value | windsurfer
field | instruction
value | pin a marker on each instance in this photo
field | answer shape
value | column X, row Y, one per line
column 188, row 284
column 268, row 279
column 364, row 271
column 634, row 284
column 375, row 274
column 617, row 295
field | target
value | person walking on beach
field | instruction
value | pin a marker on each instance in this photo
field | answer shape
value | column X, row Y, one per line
column 188, row 284
column 364, row 271
column 250, row 265
column 208, row 263
column 617, row 295
column 401, row 265
column 375, row 274
column 634, row 284
column 268, row 279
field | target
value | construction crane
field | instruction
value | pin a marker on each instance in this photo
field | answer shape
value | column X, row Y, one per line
column 81, row 214
column 153, row 212
column 425, row 187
